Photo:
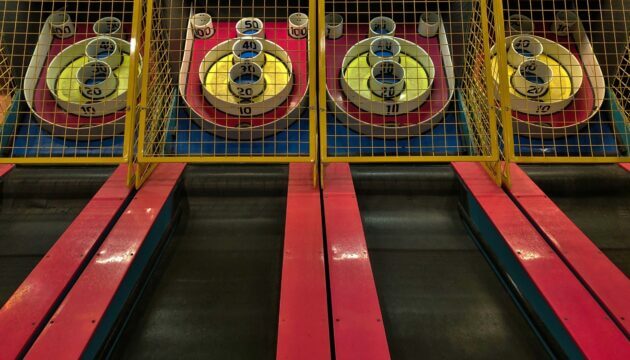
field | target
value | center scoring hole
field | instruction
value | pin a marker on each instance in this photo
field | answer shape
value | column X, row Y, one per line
column 532, row 78
column 386, row 74
column 387, row 79
column 101, row 48
column 248, row 50
column 535, row 73
column 246, row 80
column 384, row 48
column 94, row 74
column 96, row 80
column 104, row 48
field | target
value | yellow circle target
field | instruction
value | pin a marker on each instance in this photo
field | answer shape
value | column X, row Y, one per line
column 357, row 74
column 67, row 86
column 62, row 80
column 563, row 79
column 222, row 78
column 560, row 86
column 275, row 71
column 361, row 86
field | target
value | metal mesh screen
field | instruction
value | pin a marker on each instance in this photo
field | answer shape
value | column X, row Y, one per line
column 7, row 90
column 236, row 81
column 67, row 71
column 621, row 92
column 407, row 81
column 567, row 80
column 228, row 81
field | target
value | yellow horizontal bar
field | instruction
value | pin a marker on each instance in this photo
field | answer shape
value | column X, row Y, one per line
column 570, row 160
column 408, row 159
column 63, row 161
column 227, row 159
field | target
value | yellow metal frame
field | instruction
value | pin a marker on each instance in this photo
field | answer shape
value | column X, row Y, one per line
column 144, row 160
column 489, row 160
column 621, row 82
column 568, row 159
column 59, row 160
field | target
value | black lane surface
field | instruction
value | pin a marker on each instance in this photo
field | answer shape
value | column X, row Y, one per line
column 38, row 204
column 438, row 295
column 596, row 198
column 215, row 292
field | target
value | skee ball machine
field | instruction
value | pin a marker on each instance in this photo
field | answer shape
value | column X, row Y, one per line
column 567, row 80
column 67, row 74
column 407, row 81
column 230, row 82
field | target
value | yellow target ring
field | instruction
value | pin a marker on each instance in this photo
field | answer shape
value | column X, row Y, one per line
column 67, row 86
column 560, row 86
column 357, row 74
column 275, row 72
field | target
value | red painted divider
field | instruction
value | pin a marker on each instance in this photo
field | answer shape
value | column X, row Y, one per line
column 5, row 168
column 596, row 335
column 28, row 308
column 357, row 322
column 68, row 333
column 609, row 284
column 625, row 166
column 303, row 322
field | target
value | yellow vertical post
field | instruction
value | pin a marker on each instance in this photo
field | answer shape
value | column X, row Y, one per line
column 504, row 90
column 312, row 99
column 132, row 107
column 321, row 42
column 144, row 169
column 494, row 166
